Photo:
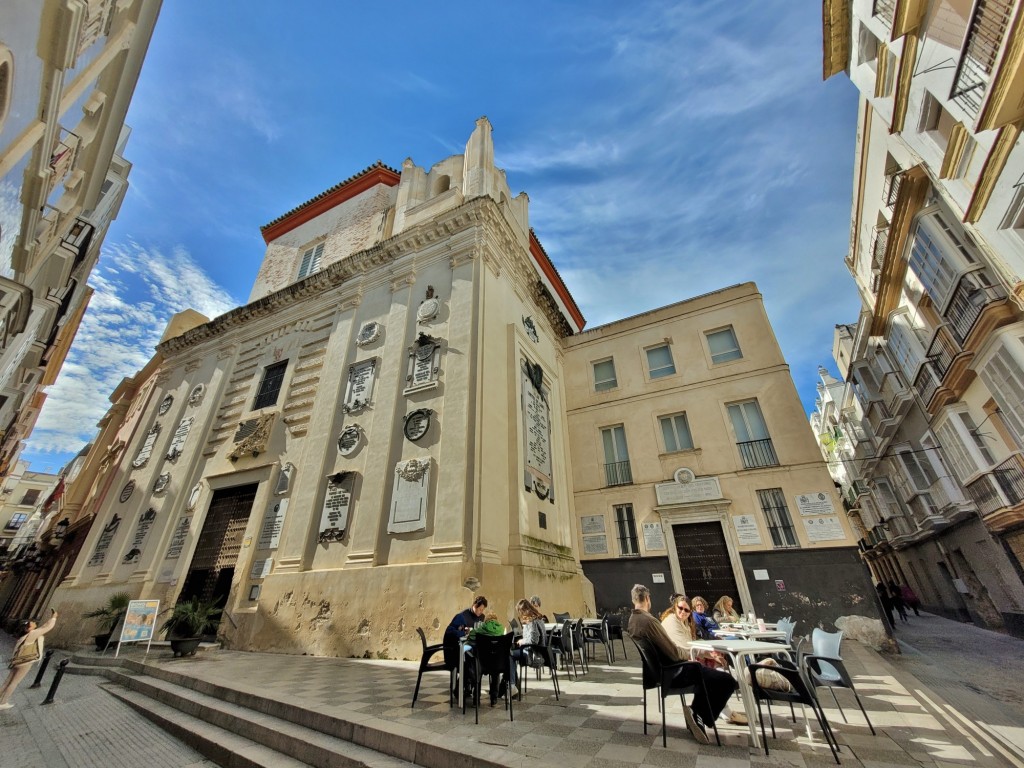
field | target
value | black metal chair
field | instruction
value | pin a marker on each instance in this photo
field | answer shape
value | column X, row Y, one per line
column 492, row 656
column 800, row 693
column 825, row 669
column 663, row 676
column 427, row 666
column 579, row 644
column 595, row 636
column 616, row 632
column 538, row 657
column 562, row 617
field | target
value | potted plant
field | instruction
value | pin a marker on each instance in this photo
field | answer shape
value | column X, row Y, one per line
column 109, row 615
column 188, row 622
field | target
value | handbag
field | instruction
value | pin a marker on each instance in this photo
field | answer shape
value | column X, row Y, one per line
column 26, row 653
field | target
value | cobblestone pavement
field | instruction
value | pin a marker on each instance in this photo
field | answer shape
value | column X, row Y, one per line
column 85, row 727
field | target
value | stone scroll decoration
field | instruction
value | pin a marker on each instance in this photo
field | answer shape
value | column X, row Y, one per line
column 337, row 506
column 424, row 364
column 252, row 436
column 195, row 397
column 103, row 542
column 142, row 457
column 162, row 483
column 409, row 497
column 146, row 520
column 359, row 390
column 536, row 414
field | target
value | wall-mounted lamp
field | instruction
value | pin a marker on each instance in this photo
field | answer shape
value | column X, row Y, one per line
column 60, row 530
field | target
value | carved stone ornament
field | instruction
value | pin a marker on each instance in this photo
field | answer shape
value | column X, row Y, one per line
column 284, row 480
column 126, row 492
column 531, row 328
column 349, row 439
column 195, row 397
column 193, row 496
column 165, row 405
column 429, row 307
column 536, row 375
column 256, row 441
column 417, row 423
column 369, row 333
column 684, row 476
column 162, row 482
column 412, row 470
column 147, row 447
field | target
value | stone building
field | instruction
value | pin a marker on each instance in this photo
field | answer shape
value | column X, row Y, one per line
column 931, row 424
column 67, row 72
column 694, row 470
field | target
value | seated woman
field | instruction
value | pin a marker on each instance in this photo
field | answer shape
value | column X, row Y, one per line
column 706, row 625
column 724, row 610
column 680, row 627
column 533, row 634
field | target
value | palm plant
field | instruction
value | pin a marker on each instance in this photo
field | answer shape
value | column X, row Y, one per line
column 192, row 618
column 111, row 612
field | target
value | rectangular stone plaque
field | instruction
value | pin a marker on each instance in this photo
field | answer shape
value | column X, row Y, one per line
column 359, row 389
column 536, row 436
column 146, row 520
column 815, row 504
column 177, row 543
column 700, row 489
column 592, row 524
column 147, row 447
column 824, row 529
column 103, row 542
column 409, row 496
column 654, row 536
column 337, row 502
column 595, row 545
column 180, row 436
column 273, row 521
column 424, row 360
column 746, row 529
column 261, row 568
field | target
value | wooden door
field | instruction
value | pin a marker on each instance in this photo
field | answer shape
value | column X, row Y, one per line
column 704, row 562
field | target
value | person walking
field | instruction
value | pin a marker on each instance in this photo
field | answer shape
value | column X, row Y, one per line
column 27, row 651
column 897, row 600
column 886, row 601
column 910, row 598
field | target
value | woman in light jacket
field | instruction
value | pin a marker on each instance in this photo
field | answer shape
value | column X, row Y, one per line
column 32, row 635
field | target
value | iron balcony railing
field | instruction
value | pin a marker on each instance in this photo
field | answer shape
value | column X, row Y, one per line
column 893, row 181
column 942, row 351
column 884, row 10
column 878, row 243
column 900, row 526
column 758, row 453
column 985, row 32
column 618, row 473
column 1002, row 487
column 970, row 297
column 927, row 381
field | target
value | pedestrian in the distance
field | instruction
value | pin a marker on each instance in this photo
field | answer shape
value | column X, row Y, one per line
column 910, row 598
column 27, row 651
column 897, row 600
column 886, row 601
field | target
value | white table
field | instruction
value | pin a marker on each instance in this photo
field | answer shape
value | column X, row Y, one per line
column 753, row 634
column 737, row 651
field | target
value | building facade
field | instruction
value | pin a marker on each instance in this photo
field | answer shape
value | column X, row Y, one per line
column 694, row 470
column 931, row 424
column 67, row 72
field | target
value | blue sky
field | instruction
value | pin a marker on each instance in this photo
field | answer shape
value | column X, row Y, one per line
column 668, row 149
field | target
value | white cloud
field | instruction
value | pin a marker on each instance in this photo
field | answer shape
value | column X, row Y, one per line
column 137, row 290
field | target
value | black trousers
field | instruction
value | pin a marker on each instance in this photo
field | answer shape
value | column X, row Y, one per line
column 719, row 685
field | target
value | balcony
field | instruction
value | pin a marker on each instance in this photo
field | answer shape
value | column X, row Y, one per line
column 999, row 494
column 927, row 382
column 618, row 473
column 879, row 240
column 972, row 298
column 985, row 32
column 758, row 453
column 884, row 10
column 893, row 182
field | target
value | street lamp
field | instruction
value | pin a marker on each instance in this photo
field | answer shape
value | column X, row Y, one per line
column 60, row 530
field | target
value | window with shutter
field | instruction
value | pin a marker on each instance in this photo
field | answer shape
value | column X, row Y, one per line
column 311, row 260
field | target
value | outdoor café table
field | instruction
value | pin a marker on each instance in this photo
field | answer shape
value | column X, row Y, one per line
column 739, row 650
column 753, row 634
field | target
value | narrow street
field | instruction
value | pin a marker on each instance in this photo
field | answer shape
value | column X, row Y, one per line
column 977, row 670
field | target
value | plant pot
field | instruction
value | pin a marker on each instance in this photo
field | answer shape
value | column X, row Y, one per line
column 101, row 641
column 185, row 646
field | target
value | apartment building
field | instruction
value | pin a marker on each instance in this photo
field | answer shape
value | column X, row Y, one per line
column 932, row 411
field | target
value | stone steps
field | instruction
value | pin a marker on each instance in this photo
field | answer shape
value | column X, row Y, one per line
column 235, row 736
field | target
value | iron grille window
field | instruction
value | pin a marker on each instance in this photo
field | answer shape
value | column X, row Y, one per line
column 626, row 527
column 270, row 387
column 776, row 515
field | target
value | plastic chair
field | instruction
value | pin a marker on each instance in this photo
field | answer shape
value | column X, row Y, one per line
column 825, row 669
column 594, row 636
column 562, row 645
column 492, row 656
column 615, row 632
column 579, row 644
column 800, row 693
column 661, row 676
column 427, row 666
column 562, row 617
column 516, row 626
column 538, row 657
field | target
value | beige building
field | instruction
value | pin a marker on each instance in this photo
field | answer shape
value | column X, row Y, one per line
column 931, row 418
column 694, row 469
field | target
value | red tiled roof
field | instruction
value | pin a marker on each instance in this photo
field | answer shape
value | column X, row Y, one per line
column 549, row 271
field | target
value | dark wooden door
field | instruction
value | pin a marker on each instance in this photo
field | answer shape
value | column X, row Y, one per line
column 213, row 564
column 704, row 562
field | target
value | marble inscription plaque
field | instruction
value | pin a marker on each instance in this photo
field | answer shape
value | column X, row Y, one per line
column 700, row 489
column 261, row 568
column 409, row 496
column 592, row 524
column 178, row 538
column 147, row 447
column 815, row 504
column 273, row 522
column 654, row 536
column 536, row 416
column 103, row 542
column 824, row 528
column 180, row 436
column 595, row 545
column 747, row 531
column 359, row 389
column 337, row 503
column 146, row 520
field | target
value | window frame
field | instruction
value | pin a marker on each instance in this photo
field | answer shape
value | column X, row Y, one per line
column 625, row 530
column 269, row 372
column 669, row 421
column 30, row 498
column 315, row 253
column 599, row 385
column 663, row 371
column 15, row 523
column 777, row 519
column 736, row 345
column 1011, row 375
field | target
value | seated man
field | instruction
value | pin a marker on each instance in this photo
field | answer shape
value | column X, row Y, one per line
column 719, row 685
column 458, row 630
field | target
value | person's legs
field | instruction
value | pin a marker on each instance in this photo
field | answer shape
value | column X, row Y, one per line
column 719, row 685
column 15, row 676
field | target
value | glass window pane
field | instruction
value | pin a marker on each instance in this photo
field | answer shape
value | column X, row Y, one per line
column 683, row 432
column 659, row 362
column 723, row 346
column 669, row 435
column 604, row 375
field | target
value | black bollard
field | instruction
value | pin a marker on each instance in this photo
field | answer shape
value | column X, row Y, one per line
column 56, row 681
column 42, row 670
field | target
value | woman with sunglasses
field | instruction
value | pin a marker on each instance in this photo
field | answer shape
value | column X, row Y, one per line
column 682, row 629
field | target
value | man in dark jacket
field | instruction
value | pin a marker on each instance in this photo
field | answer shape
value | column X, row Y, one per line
column 458, row 629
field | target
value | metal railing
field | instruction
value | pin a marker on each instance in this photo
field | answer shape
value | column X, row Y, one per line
column 893, row 182
column 884, row 10
column 618, row 473
column 942, row 351
column 878, row 243
column 1000, row 488
column 970, row 297
column 927, row 381
column 985, row 33
column 758, row 453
